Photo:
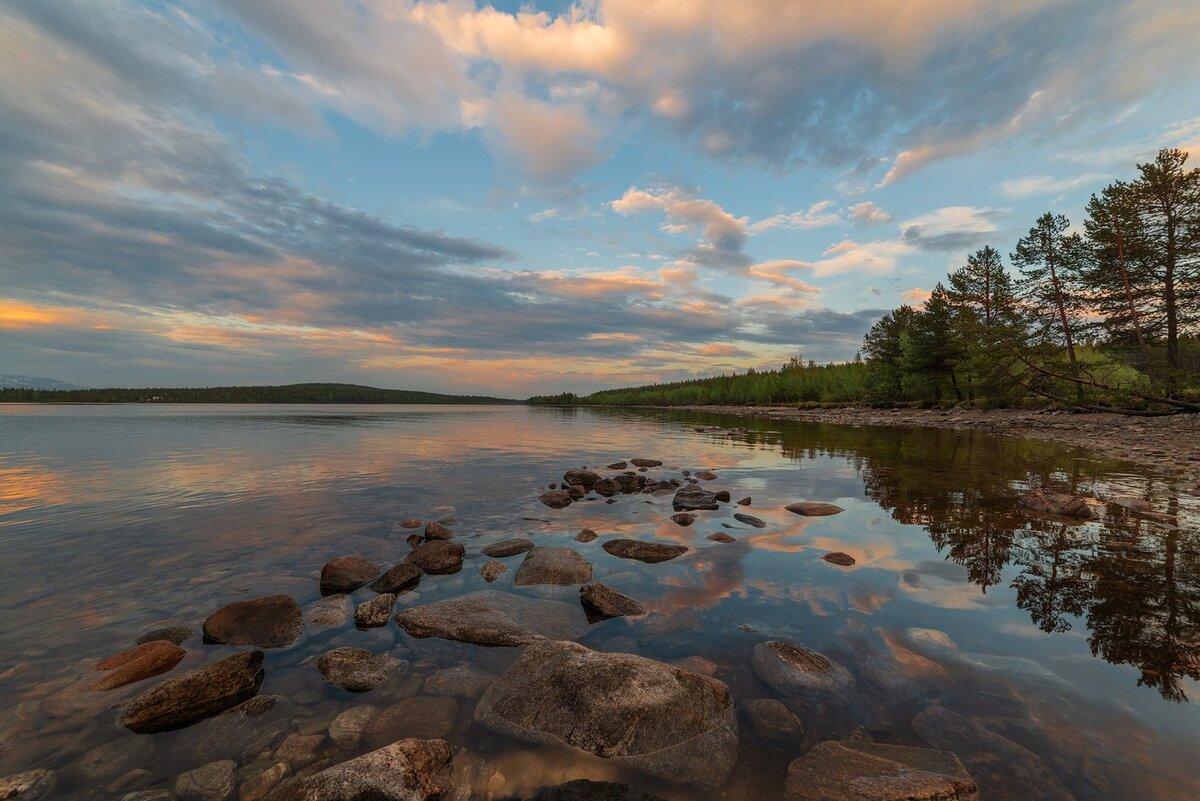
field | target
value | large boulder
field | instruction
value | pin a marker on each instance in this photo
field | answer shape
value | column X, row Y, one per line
column 853, row 771
column 1057, row 504
column 437, row 557
column 797, row 672
column 650, row 552
column 551, row 565
column 149, row 659
column 408, row 770
column 691, row 499
column 357, row 670
column 490, row 617
column 645, row 714
column 346, row 574
column 196, row 695
column 271, row 622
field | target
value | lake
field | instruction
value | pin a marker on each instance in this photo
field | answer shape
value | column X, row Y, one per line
column 1068, row 651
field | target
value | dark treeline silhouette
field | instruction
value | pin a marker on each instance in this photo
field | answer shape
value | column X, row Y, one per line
column 289, row 393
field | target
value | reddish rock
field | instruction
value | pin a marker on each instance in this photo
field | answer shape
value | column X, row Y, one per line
column 271, row 622
column 196, row 695
column 436, row 531
column 411, row 522
column 585, row 535
column 839, row 558
column 150, row 659
column 721, row 536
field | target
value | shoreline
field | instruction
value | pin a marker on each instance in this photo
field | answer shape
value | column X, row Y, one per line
column 1167, row 445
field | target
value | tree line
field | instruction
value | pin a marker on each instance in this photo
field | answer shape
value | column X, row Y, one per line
column 289, row 393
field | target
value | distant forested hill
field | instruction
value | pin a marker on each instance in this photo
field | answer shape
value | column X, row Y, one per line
column 289, row 393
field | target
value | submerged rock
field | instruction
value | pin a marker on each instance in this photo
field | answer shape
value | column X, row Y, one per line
column 705, row 475
column 397, row 579
column 149, row 659
column 683, row 518
column 408, row 770
column 357, row 670
column 346, row 574
column 647, row 715
column 853, row 770
column 601, row 602
column 437, row 557
column 797, row 672
column 1057, row 504
column 330, row 612
column 690, row 499
column 510, row 547
column 556, row 499
column 410, row 522
column 839, row 558
column 30, row 785
column 750, row 520
column 588, row 790
column 424, row 716
column 375, row 613
column 550, row 565
column 650, row 552
column 172, row 634
column 586, row 535
column 212, row 782
column 814, row 509
column 460, row 681
column 436, row 531
column 773, row 721
column 494, row 618
column 492, row 570
column 196, row 695
column 346, row 730
column 271, row 622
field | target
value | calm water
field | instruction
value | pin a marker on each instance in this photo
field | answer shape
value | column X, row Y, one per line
column 118, row 519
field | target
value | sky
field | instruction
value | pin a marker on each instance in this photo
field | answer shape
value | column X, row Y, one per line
column 529, row 198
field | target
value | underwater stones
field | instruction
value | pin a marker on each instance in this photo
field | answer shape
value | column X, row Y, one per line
column 839, row 558
column 195, row 695
column 556, row 499
column 410, row 522
column 148, row 659
column 375, row 613
column 346, row 730
column 773, row 721
column 691, row 499
column 357, row 670
column 172, row 634
column 29, row 785
column 114, row 758
column 551, row 565
column 212, row 782
column 460, row 681
column 814, row 509
column 851, row 771
column 589, row 790
column 645, row 714
column 683, row 518
column 492, row 570
column 601, row 602
column 424, row 716
column 797, row 672
column 721, row 536
column 408, row 770
column 705, row 475
column 437, row 557
column 271, row 622
column 398, row 578
column 586, row 535
column 750, row 520
column 330, row 612
column 650, row 552
column 493, row 618
column 645, row 462
column 511, row 547
column 346, row 574
column 436, row 531
column 1057, row 504
column 256, row 786
column 584, row 478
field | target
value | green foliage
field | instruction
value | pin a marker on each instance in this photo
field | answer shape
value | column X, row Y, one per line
column 291, row 393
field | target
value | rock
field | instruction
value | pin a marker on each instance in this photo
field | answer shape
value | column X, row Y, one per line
column 683, row 518
column 30, row 785
column 437, row 557
column 584, row 478
column 744, row 501
column 436, row 531
column 149, row 659
column 147, row 795
column 357, row 670
column 494, row 618
column 773, row 721
column 630, row 482
column 721, row 536
column 196, row 695
column 413, row 540
column 705, row 475
column 852, row 770
column 271, row 622
column 797, row 672
column 1002, row 768
column 556, row 499
column 109, row 760
column 397, row 579
column 424, row 716
column 689, row 499
column 645, row 462
column 650, row 552
column 698, row 664
column 409, row 770
column 750, row 520
column 839, row 558
column 256, row 787
column 211, row 782
column 299, row 750
column 722, row 496
column 346, row 574
column 618, row 466
column 602, row 602
column 330, row 612
column 813, row 509
column 1057, row 504
column 550, row 565
column 375, row 613
column 241, row 733
column 172, row 634
column 640, row 713
column 492, row 570
column 606, row 487
column 460, row 681
column 499, row 550
column 411, row 522
column 347, row 728
column 576, row 491
column 588, row 790
column 586, row 535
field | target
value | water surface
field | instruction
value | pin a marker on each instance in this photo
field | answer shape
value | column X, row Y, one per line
column 1079, row 642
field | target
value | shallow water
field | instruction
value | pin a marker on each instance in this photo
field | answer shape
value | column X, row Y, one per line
column 118, row 519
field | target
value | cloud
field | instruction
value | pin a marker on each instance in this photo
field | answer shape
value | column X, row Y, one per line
column 950, row 228
column 915, row 296
column 818, row 215
column 1048, row 185
column 867, row 213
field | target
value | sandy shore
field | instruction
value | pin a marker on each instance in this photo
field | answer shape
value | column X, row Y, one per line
column 1168, row 445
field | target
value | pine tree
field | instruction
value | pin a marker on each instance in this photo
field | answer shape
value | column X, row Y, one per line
column 1050, row 261
column 1119, row 282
